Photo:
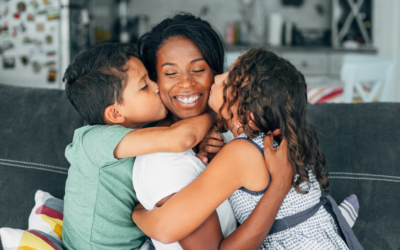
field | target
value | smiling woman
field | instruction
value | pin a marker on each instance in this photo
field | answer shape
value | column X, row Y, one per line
column 182, row 54
column 184, row 78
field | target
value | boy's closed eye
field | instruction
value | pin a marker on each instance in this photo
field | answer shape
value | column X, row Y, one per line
column 145, row 86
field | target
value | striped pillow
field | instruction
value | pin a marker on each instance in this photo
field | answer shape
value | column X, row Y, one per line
column 45, row 226
column 331, row 94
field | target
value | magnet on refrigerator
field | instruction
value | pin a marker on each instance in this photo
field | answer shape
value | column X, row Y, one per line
column 30, row 17
column 51, row 76
column 36, row 67
column 8, row 62
column 24, row 60
column 21, row 6
column 39, row 27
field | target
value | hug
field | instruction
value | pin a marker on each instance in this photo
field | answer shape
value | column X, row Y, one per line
column 262, row 190
column 179, row 153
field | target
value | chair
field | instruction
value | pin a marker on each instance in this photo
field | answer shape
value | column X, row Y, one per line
column 367, row 69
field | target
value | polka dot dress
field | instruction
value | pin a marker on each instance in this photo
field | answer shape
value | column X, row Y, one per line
column 318, row 232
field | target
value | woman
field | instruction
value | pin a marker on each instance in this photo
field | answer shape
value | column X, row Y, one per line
column 183, row 54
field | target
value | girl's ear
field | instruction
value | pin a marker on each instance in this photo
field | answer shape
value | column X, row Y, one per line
column 112, row 115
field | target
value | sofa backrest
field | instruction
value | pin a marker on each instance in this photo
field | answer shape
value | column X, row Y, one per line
column 361, row 143
column 36, row 125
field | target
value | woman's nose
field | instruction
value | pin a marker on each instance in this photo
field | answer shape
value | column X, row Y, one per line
column 185, row 81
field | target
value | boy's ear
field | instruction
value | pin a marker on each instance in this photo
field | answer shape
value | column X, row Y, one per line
column 113, row 115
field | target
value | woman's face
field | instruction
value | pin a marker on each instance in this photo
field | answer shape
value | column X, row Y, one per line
column 184, row 78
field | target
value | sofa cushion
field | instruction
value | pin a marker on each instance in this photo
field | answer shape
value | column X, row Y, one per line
column 45, row 226
column 36, row 126
column 362, row 150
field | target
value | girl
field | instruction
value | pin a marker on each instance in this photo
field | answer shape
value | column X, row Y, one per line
column 262, row 93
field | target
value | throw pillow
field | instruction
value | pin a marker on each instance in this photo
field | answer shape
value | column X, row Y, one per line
column 45, row 226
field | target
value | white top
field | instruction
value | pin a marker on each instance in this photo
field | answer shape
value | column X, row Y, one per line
column 159, row 175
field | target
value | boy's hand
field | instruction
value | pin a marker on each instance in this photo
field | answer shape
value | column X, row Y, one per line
column 210, row 146
column 277, row 161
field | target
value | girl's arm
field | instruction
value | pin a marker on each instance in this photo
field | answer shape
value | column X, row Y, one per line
column 192, row 206
column 179, row 137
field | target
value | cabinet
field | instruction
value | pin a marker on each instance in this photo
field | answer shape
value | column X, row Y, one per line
column 309, row 61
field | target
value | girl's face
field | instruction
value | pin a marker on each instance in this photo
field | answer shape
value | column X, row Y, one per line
column 184, row 78
column 216, row 100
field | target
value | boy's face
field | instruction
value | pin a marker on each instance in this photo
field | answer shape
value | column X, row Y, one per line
column 141, row 100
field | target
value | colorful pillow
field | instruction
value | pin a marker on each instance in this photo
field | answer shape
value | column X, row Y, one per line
column 45, row 227
column 332, row 94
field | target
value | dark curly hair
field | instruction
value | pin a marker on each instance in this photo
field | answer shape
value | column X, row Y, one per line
column 202, row 34
column 95, row 80
column 271, row 88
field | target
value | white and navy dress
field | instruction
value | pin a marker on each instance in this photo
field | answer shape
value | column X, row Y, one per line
column 320, row 231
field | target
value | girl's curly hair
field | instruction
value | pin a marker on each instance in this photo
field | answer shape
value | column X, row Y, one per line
column 274, row 91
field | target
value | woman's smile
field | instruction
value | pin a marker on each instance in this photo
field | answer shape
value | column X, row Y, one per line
column 188, row 100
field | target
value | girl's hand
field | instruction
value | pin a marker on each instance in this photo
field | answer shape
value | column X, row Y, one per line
column 277, row 161
column 210, row 146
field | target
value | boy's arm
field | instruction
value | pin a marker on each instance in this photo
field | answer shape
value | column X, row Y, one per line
column 179, row 137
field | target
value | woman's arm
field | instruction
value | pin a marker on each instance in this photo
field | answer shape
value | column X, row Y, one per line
column 179, row 137
column 250, row 235
column 189, row 208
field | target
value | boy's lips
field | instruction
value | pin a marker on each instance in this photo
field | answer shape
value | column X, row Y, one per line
column 188, row 100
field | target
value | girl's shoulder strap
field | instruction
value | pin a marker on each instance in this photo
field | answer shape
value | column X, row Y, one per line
column 252, row 142
column 262, row 153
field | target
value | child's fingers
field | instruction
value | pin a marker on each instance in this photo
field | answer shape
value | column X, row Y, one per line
column 215, row 136
column 214, row 142
column 268, row 143
column 283, row 146
column 203, row 157
column 277, row 132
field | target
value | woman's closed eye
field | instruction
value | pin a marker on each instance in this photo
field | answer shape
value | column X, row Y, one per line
column 171, row 74
column 198, row 71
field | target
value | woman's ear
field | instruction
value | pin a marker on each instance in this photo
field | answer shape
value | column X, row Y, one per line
column 112, row 115
column 250, row 119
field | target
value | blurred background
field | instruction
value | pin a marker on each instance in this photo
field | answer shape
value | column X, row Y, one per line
column 325, row 39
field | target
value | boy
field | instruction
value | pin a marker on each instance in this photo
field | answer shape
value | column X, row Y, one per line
column 110, row 89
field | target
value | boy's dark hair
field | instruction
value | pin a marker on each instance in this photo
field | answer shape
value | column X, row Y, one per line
column 275, row 92
column 95, row 80
column 206, row 39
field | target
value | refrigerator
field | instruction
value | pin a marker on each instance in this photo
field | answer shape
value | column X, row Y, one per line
column 34, row 42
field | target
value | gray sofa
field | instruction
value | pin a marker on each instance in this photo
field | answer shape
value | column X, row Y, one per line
column 360, row 142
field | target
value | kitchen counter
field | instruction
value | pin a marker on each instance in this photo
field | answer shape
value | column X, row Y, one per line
column 361, row 49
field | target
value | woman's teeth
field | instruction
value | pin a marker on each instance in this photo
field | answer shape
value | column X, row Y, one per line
column 188, row 100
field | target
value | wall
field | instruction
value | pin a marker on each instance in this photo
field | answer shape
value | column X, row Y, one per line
column 386, row 35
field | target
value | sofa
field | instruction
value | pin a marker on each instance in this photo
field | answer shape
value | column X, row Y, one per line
column 360, row 142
